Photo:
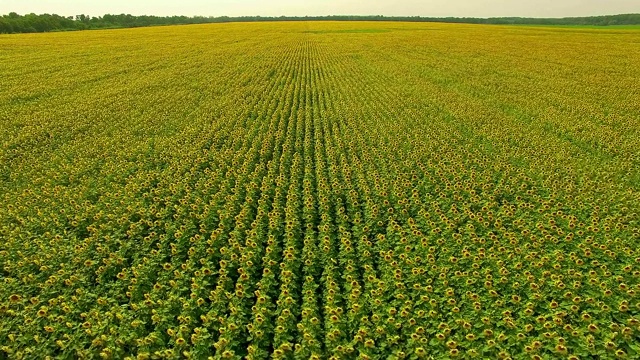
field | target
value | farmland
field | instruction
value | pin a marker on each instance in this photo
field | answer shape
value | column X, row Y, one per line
column 307, row 190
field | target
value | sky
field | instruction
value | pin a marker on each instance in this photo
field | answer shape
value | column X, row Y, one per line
column 457, row 8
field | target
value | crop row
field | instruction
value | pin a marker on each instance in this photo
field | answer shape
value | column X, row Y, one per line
column 256, row 191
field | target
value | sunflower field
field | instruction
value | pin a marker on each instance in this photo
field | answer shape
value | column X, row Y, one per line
column 320, row 190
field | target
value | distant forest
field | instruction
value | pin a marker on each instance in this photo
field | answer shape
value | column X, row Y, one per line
column 30, row 23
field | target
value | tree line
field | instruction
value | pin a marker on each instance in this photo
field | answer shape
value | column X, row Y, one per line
column 31, row 23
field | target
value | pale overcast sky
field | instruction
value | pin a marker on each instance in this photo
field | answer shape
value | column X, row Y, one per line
column 470, row 8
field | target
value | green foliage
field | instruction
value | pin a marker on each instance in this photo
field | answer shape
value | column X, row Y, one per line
column 261, row 191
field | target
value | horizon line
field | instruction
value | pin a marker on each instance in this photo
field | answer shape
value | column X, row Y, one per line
column 333, row 15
